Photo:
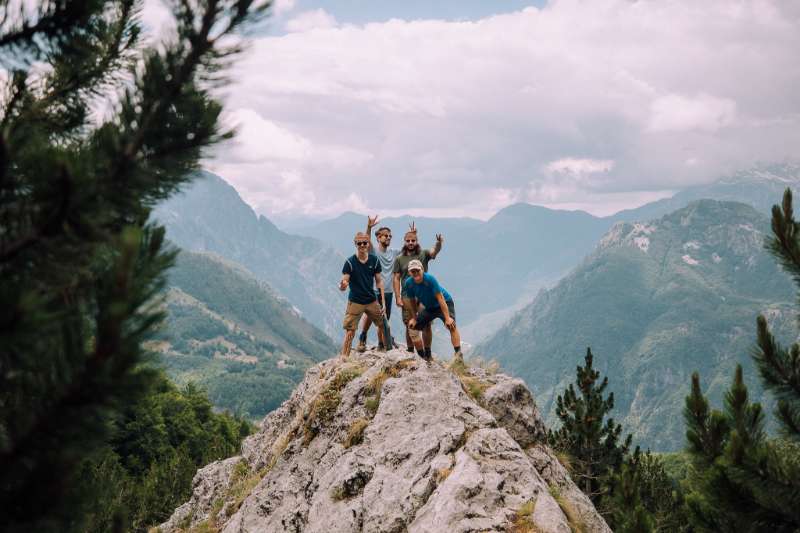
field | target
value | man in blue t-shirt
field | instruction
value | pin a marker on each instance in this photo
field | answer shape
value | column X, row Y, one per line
column 423, row 288
column 359, row 273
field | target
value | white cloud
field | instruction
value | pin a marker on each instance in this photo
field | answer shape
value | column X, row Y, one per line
column 674, row 112
column 311, row 20
column 589, row 104
column 281, row 7
column 571, row 165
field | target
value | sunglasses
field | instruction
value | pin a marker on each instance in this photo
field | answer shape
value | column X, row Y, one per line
column 362, row 243
column 412, row 241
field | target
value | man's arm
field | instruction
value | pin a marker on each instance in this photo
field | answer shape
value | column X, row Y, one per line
column 379, row 284
column 433, row 252
column 397, row 291
column 345, row 282
column 449, row 322
column 371, row 223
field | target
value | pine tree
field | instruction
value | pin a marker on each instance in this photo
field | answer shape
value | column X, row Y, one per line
column 591, row 441
column 744, row 480
column 81, row 268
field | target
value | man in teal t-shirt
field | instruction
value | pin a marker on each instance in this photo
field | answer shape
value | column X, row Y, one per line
column 423, row 288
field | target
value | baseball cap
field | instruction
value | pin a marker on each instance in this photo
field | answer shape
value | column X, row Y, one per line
column 415, row 264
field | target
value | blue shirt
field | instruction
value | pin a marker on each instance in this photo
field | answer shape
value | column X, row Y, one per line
column 426, row 291
column 362, row 278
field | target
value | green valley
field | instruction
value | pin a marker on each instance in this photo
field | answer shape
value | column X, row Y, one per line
column 232, row 335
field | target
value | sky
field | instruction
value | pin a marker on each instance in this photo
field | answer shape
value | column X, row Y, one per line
column 462, row 107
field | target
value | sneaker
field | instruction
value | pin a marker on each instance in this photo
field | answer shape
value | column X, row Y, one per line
column 362, row 346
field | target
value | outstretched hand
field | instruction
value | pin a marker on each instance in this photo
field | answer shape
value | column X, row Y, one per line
column 372, row 221
column 412, row 227
column 439, row 238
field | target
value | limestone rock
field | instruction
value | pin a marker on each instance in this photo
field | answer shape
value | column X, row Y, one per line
column 384, row 442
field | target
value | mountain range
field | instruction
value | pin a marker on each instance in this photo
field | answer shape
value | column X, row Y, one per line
column 210, row 216
column 655, row 301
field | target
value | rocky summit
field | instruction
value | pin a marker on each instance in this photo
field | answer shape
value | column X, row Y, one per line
column 385, row 442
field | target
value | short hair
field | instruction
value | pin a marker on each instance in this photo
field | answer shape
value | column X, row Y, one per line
column 379, row 230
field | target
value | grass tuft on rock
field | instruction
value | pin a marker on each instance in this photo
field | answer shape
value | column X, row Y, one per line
column 355, row 435
column 324, row 406
column 375, row 385
column 473, row 386
column 573, row 518
column 523, row 519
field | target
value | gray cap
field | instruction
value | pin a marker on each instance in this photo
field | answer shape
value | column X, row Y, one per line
column 415, row 264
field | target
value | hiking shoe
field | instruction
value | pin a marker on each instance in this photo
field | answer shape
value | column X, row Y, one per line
column 381, row 348
column 362, row 346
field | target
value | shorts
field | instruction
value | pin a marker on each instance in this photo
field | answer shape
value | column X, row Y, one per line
column 426, row 316
column 354, row 311
column 389, row 302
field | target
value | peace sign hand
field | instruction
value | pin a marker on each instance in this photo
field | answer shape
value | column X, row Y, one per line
column 372, row 221
column 412, row 227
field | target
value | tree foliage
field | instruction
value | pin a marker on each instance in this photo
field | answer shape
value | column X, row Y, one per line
column 81, row 269
column 591, row 440
column 743, row 480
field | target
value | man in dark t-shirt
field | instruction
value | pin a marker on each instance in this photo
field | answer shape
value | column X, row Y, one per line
column 360, row 272
column 411, row 251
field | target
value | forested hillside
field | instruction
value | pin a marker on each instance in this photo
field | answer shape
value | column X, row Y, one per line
column 655, row 301
column 230, row 333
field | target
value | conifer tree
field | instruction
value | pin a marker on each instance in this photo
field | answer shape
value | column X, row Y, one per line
column 744, row 480
column 592, row 441
column 81, row 267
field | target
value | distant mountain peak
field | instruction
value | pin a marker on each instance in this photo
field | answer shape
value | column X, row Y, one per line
column 779, row 173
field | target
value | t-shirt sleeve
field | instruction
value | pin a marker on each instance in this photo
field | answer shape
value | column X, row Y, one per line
column 396, row 267
column 408, row 285
column 377, row 265
column 347, row 268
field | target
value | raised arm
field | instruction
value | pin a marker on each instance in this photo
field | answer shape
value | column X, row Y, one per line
column 436, row 247
column 371, row 223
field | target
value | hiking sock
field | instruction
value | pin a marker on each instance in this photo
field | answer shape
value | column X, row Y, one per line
column 427, row 353
column 421, row 352
column 457, row 349
column 363, row 336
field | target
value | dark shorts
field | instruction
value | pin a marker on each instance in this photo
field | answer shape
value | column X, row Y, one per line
column 426, row 316
column 389, row 302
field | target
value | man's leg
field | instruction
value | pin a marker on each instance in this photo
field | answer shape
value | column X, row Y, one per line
column 407, row 314
column 362, row 339
column 347, row 344
column 374, row 314
column 455, row 336
column 424, row 319
column 350, row 322
column 427, row 336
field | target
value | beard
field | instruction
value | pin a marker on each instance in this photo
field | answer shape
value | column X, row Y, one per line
column 411, row 251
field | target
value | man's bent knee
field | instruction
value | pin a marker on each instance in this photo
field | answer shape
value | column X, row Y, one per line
column 415, row 334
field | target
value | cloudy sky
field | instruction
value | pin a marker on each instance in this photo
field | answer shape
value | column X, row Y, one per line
column 461, row 107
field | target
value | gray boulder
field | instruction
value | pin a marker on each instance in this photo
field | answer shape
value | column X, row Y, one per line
column 384, row 442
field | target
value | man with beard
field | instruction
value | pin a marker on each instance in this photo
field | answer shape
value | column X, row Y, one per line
column 386, row 256
column 413, row 251
column 436, row 302
column 359, row 273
